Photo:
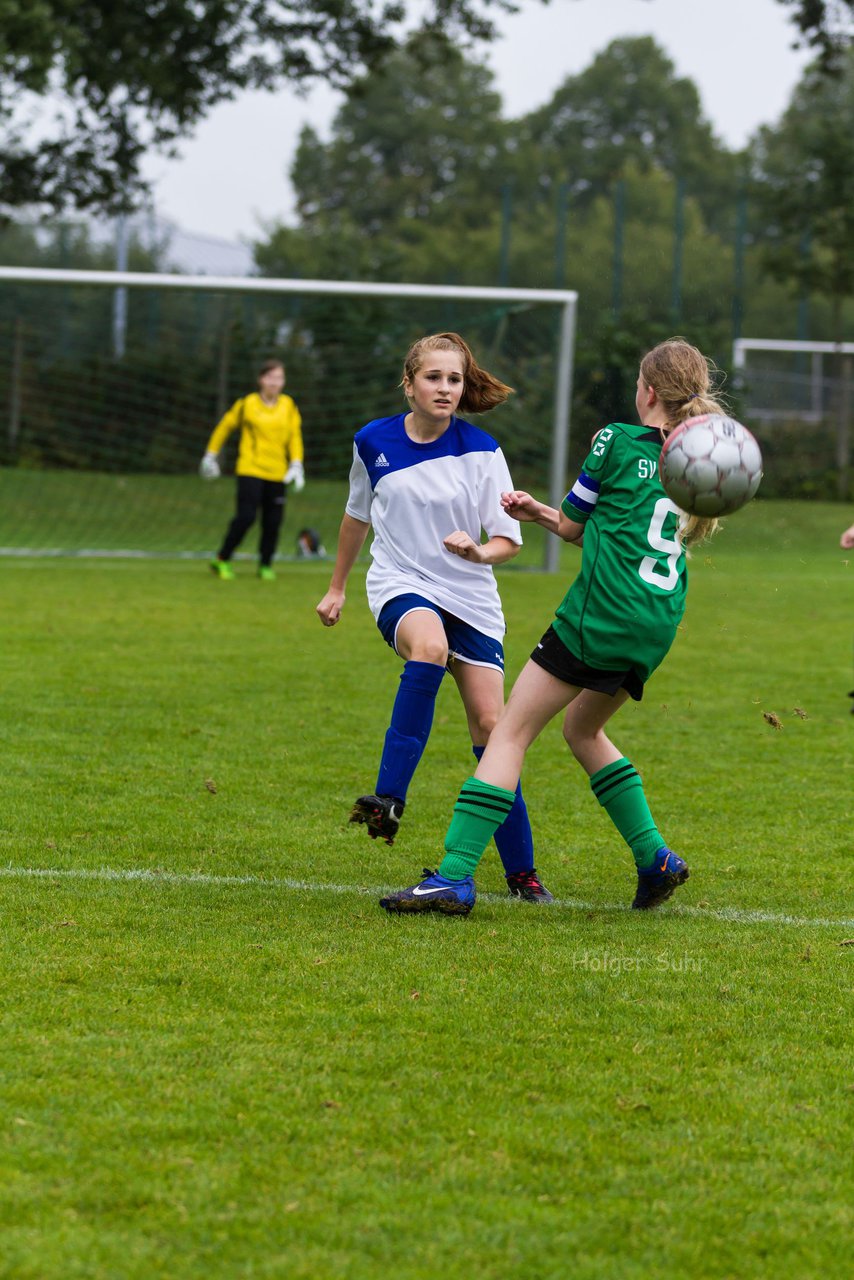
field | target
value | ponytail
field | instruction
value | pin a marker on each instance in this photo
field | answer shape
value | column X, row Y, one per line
column 683, row 381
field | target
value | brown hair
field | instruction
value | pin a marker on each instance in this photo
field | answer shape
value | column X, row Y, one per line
column 269, row 365
column 481, row 391
column 683, row 380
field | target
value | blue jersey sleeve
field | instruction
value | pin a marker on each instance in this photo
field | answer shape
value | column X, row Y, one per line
column 361, row 494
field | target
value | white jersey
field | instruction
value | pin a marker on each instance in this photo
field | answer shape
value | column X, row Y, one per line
column 414, row 495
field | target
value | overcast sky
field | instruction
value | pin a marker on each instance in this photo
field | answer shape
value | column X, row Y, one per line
column 232, row 177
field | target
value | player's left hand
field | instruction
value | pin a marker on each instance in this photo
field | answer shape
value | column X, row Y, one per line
column 462, row 544
column 520, row 505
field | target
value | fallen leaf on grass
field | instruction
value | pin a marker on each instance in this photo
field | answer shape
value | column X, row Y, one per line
column 772, row 719
column 846, row 942
column 211, row 786
column 800, row 713
column 628, row 1104
column 331, row 1105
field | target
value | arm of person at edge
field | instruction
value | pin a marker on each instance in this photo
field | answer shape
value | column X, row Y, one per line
column 351, row 539
column 847, row 539
column 497, row 550
column 521, row 506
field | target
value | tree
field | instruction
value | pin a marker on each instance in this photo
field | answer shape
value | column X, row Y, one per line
column 405, row 143
column 128, row 77
column 826, row 26
column 628, row 107
column 125, row 78
column 804, row 170
column 414, row 165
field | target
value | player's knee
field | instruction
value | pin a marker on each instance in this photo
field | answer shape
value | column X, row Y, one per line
column 429, row 650
column 574, row 738
column 484, row 721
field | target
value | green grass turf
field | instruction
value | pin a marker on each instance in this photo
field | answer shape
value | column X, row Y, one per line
column 210, row 1072
column 73, row 512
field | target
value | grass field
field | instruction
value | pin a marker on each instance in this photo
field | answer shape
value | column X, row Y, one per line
column 85, row 513
column 220, row 1058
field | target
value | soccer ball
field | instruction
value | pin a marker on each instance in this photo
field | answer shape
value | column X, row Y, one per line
column 710, row 465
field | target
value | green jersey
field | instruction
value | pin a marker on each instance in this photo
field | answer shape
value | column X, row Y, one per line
column 625, row 605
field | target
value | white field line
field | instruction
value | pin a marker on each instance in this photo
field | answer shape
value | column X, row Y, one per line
column 94, row 553
column 145, row 876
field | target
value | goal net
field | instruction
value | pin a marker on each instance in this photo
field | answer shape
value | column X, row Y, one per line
column 112, row 383
column 797, row 396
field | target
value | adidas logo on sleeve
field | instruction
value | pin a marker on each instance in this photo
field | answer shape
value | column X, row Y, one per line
column 380, row 460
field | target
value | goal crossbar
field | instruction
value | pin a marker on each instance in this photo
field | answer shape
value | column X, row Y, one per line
column 268, row 284
column 796, row 346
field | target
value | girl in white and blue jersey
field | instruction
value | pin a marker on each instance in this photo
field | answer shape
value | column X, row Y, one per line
column 429, row 484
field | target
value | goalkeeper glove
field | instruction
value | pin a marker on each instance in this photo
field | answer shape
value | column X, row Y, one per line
column 209, row 467
column 295, row 475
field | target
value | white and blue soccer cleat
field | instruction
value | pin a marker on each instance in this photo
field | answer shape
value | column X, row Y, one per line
column 434, row 893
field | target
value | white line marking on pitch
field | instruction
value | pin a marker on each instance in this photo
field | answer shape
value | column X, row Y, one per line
column 732, row 915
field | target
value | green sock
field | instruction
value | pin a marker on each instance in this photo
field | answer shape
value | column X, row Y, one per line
column 619, row 790
column 478, row 813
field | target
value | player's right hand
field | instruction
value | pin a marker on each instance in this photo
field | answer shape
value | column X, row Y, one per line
column 329, row 609
column 209, row 467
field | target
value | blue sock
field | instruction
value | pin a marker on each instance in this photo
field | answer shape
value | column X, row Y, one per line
column 513, row 839
column 411, row 722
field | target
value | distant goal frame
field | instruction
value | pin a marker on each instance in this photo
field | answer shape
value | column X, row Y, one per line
column 793, row 346
column 564, row 299
column 817, row 350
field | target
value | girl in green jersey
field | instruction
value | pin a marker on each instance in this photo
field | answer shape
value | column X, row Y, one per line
column 610, row 632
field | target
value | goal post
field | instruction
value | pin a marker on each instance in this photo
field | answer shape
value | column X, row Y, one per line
column 799, row 394
column 114, row 353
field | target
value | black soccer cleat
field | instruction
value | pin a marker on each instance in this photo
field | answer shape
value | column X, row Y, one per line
column 528, row 886
column 657, row 882
column 381, row 815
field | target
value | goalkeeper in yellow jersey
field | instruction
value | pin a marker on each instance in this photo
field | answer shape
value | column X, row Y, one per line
column 270, row 457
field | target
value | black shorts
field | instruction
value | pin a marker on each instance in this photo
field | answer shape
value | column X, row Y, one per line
column 553, row 656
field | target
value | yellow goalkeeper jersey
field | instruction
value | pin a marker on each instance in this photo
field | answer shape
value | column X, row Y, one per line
column 270, row 436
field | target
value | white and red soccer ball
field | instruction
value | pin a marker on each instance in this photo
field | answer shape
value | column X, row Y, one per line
column 710, row 465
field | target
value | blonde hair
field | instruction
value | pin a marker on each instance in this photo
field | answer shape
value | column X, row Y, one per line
column 683, row 381
column 481, row 391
